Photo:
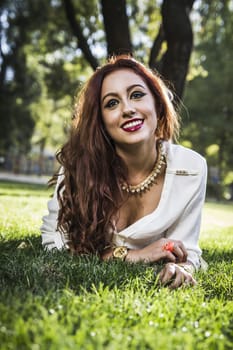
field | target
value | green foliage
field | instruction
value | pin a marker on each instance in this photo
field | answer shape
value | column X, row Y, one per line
column 42, row 68
column 47, row 67
column 208, row 94
column 145, row 19
column 51, row 300
column 46, row 73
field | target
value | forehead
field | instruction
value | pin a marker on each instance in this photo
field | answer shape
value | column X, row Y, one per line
column 120, row 79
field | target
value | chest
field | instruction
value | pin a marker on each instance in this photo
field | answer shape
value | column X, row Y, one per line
column 137, row 206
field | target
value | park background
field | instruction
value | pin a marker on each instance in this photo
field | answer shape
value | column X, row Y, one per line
column 52, row 300
column 49, row 48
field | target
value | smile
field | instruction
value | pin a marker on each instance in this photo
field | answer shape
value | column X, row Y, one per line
column 132, row 125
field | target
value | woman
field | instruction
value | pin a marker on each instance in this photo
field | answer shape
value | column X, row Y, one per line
column 124, row 190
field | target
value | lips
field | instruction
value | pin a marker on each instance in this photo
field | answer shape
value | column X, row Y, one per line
column 132, row 125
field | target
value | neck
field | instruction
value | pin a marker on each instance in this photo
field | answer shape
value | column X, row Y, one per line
column 139, row 159
column 150, row 180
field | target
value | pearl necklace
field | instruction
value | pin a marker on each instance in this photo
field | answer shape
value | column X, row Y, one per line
column 150, row 179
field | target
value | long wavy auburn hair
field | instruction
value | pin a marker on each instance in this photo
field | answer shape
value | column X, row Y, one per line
column 90, row 193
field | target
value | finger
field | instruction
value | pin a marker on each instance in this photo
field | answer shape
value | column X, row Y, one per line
column 178, row 281
column 167, row 274
column 179, row 250
column 180, row 255
column 169, row 256
column 189, row 280
column 184, row 250
column 183, row 279
column 162, row 273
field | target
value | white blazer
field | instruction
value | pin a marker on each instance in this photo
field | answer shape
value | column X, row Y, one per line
column 178, row 215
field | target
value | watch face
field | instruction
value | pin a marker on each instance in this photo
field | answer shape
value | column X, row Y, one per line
column 120, row 252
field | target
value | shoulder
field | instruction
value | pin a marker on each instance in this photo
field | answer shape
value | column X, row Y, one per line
column 181, row 157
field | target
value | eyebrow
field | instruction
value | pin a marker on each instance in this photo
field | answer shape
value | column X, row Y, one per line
column 128, row 89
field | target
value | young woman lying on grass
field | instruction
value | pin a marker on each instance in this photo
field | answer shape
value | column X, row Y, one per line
column 125, row 191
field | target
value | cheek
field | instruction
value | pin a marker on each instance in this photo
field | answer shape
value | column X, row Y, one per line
column 154, row 120
column 109, row 118
column 150, row 108
column 107, row 123
column 153, row 114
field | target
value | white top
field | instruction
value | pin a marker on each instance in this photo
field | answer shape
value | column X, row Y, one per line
column 178, row 215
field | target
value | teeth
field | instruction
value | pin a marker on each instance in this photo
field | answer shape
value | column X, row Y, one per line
column 132, row 124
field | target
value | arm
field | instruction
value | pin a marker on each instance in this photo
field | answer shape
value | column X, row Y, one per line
column 51, row 237
column 154, row 252
column 187, row 226
column 185, row 257
column 174, row 273
column 187, row 229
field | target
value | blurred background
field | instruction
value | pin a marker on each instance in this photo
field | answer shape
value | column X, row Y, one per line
column 48, row 48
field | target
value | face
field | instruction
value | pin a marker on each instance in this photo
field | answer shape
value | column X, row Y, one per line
column 128, row 108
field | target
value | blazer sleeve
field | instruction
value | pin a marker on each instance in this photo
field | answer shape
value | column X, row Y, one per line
column 51, row 236
column 187, row 226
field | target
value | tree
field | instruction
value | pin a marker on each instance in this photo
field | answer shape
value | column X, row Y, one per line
column 48, row 47
column 176, row 31
column 16, row 91
column 208, row 95
column 34, row 66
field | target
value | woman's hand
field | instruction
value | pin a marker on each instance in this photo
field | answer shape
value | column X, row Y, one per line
column 163, row 249
column 175, row 275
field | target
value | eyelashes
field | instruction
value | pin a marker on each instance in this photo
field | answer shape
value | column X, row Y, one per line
column 135, row 95
column 111, row 103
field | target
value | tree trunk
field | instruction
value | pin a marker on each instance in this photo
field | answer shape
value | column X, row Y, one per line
column 178, row 34
column 116, row 26
column 176, row 30
column 4, row 65
column 78, row 32
column 155, row 50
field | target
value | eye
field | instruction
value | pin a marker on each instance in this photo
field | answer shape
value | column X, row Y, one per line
column 111, row 103
column 137, row 95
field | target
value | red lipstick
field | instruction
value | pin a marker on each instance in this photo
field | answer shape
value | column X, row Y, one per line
column 132, row 125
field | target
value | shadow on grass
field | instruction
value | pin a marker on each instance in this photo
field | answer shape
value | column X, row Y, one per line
column 217, row 255
column 26, row 267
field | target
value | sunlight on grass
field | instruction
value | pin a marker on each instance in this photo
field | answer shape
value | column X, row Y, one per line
column 217, row 226
column 51, row 300
column 22, row 207
column 217, row 215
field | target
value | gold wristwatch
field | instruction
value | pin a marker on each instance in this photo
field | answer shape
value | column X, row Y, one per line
column 120, row 252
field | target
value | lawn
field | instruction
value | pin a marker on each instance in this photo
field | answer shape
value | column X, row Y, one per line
column 52, row 301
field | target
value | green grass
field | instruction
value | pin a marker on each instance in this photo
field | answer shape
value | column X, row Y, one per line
column 55, row 301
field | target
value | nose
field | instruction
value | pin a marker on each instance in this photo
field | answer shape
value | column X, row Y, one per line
column 128, row 111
